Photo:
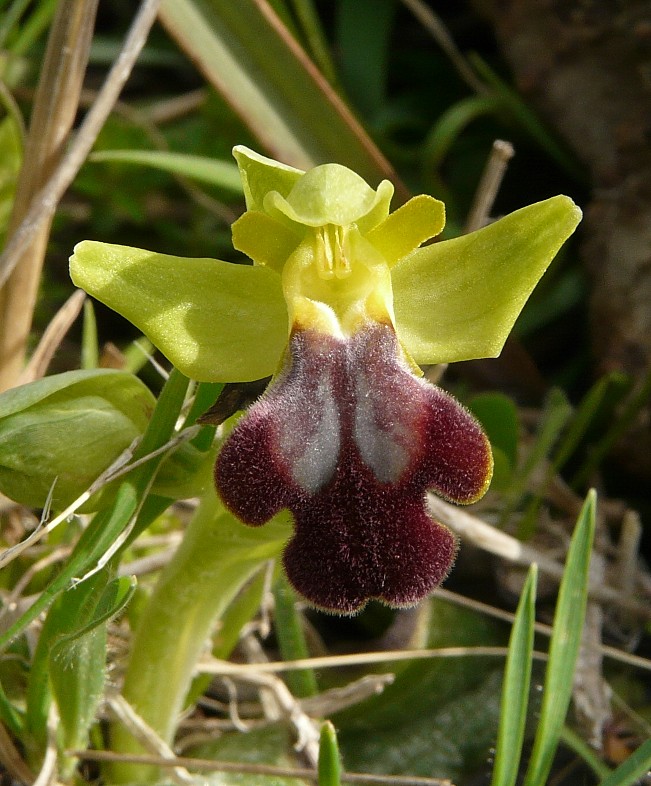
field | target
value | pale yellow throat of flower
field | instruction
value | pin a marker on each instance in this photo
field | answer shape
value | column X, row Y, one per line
column 336, row 281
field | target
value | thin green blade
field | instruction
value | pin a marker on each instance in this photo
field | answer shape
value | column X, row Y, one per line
column 564, row 645
column 515, row 692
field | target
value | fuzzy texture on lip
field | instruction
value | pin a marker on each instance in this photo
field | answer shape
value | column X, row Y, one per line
column 349, row 440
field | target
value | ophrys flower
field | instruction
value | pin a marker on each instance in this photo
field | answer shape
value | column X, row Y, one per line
column 340, row 306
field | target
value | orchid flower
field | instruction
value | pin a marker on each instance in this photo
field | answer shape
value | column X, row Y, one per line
column 341, row 306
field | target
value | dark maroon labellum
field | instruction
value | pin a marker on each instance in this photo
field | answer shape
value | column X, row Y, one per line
column 349, row 440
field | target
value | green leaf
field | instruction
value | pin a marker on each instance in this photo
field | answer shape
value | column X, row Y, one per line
column 313, row 35
column 9, row 715
column 71, row 384
column 521, row 112
column 71, row 612
column 602, row 395
column 187, row 472
column 557, row 411
column 115, row 597
column 564, row 646
column 426, row 722
column 451, row 123
column 245, row 51
column 499, row 417
column 515, row 689
column 288, row 626
column 130, row 501
column 329, row 765
column 270, row 745
column 215, row 321
column 77, row 666
column 67, row 429
column 593, row 414
column 222, row 174
column 459, row 299
column 573, row 741
column 617, row 428
column 363, row 29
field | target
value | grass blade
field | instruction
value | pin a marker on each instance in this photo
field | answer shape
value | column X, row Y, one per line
column 244, row 50
column 214, row 172
column 288, row 625
column 329, row 760
column 515, row 693
column 564, row 645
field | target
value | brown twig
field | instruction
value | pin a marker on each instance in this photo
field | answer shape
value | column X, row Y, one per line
column 207, row 765
column 507, row 547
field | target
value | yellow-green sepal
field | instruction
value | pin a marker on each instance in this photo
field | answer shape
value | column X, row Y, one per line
column 260, row 175
column 331, row 194
column 458, row 300
column 215, row 321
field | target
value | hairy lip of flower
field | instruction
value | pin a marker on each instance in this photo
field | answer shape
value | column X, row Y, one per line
column 346, row 437
column 349, row 440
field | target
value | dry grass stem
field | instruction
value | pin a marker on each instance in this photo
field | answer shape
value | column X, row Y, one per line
column 11, row 759
column 145, row 120
column 43, row 203
column 220, row 668
column 10, row 601
column 591, row 694
column 116, row 470
column 337, row 699
column 494, row 541
column 52, row 338
column 439, row 32
column 55, row 108
column 170, row 109
column 10, row 105
column 130, row 719
column 625, row 569
column 636, row 661
column 207, row 765
column 491, row 180
column 149, row 564
column 277, row 700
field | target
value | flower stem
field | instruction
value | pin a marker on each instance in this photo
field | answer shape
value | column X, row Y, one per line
column 217, row 557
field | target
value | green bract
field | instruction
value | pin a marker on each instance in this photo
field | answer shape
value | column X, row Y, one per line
column 329, row 255
column 67, row 429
